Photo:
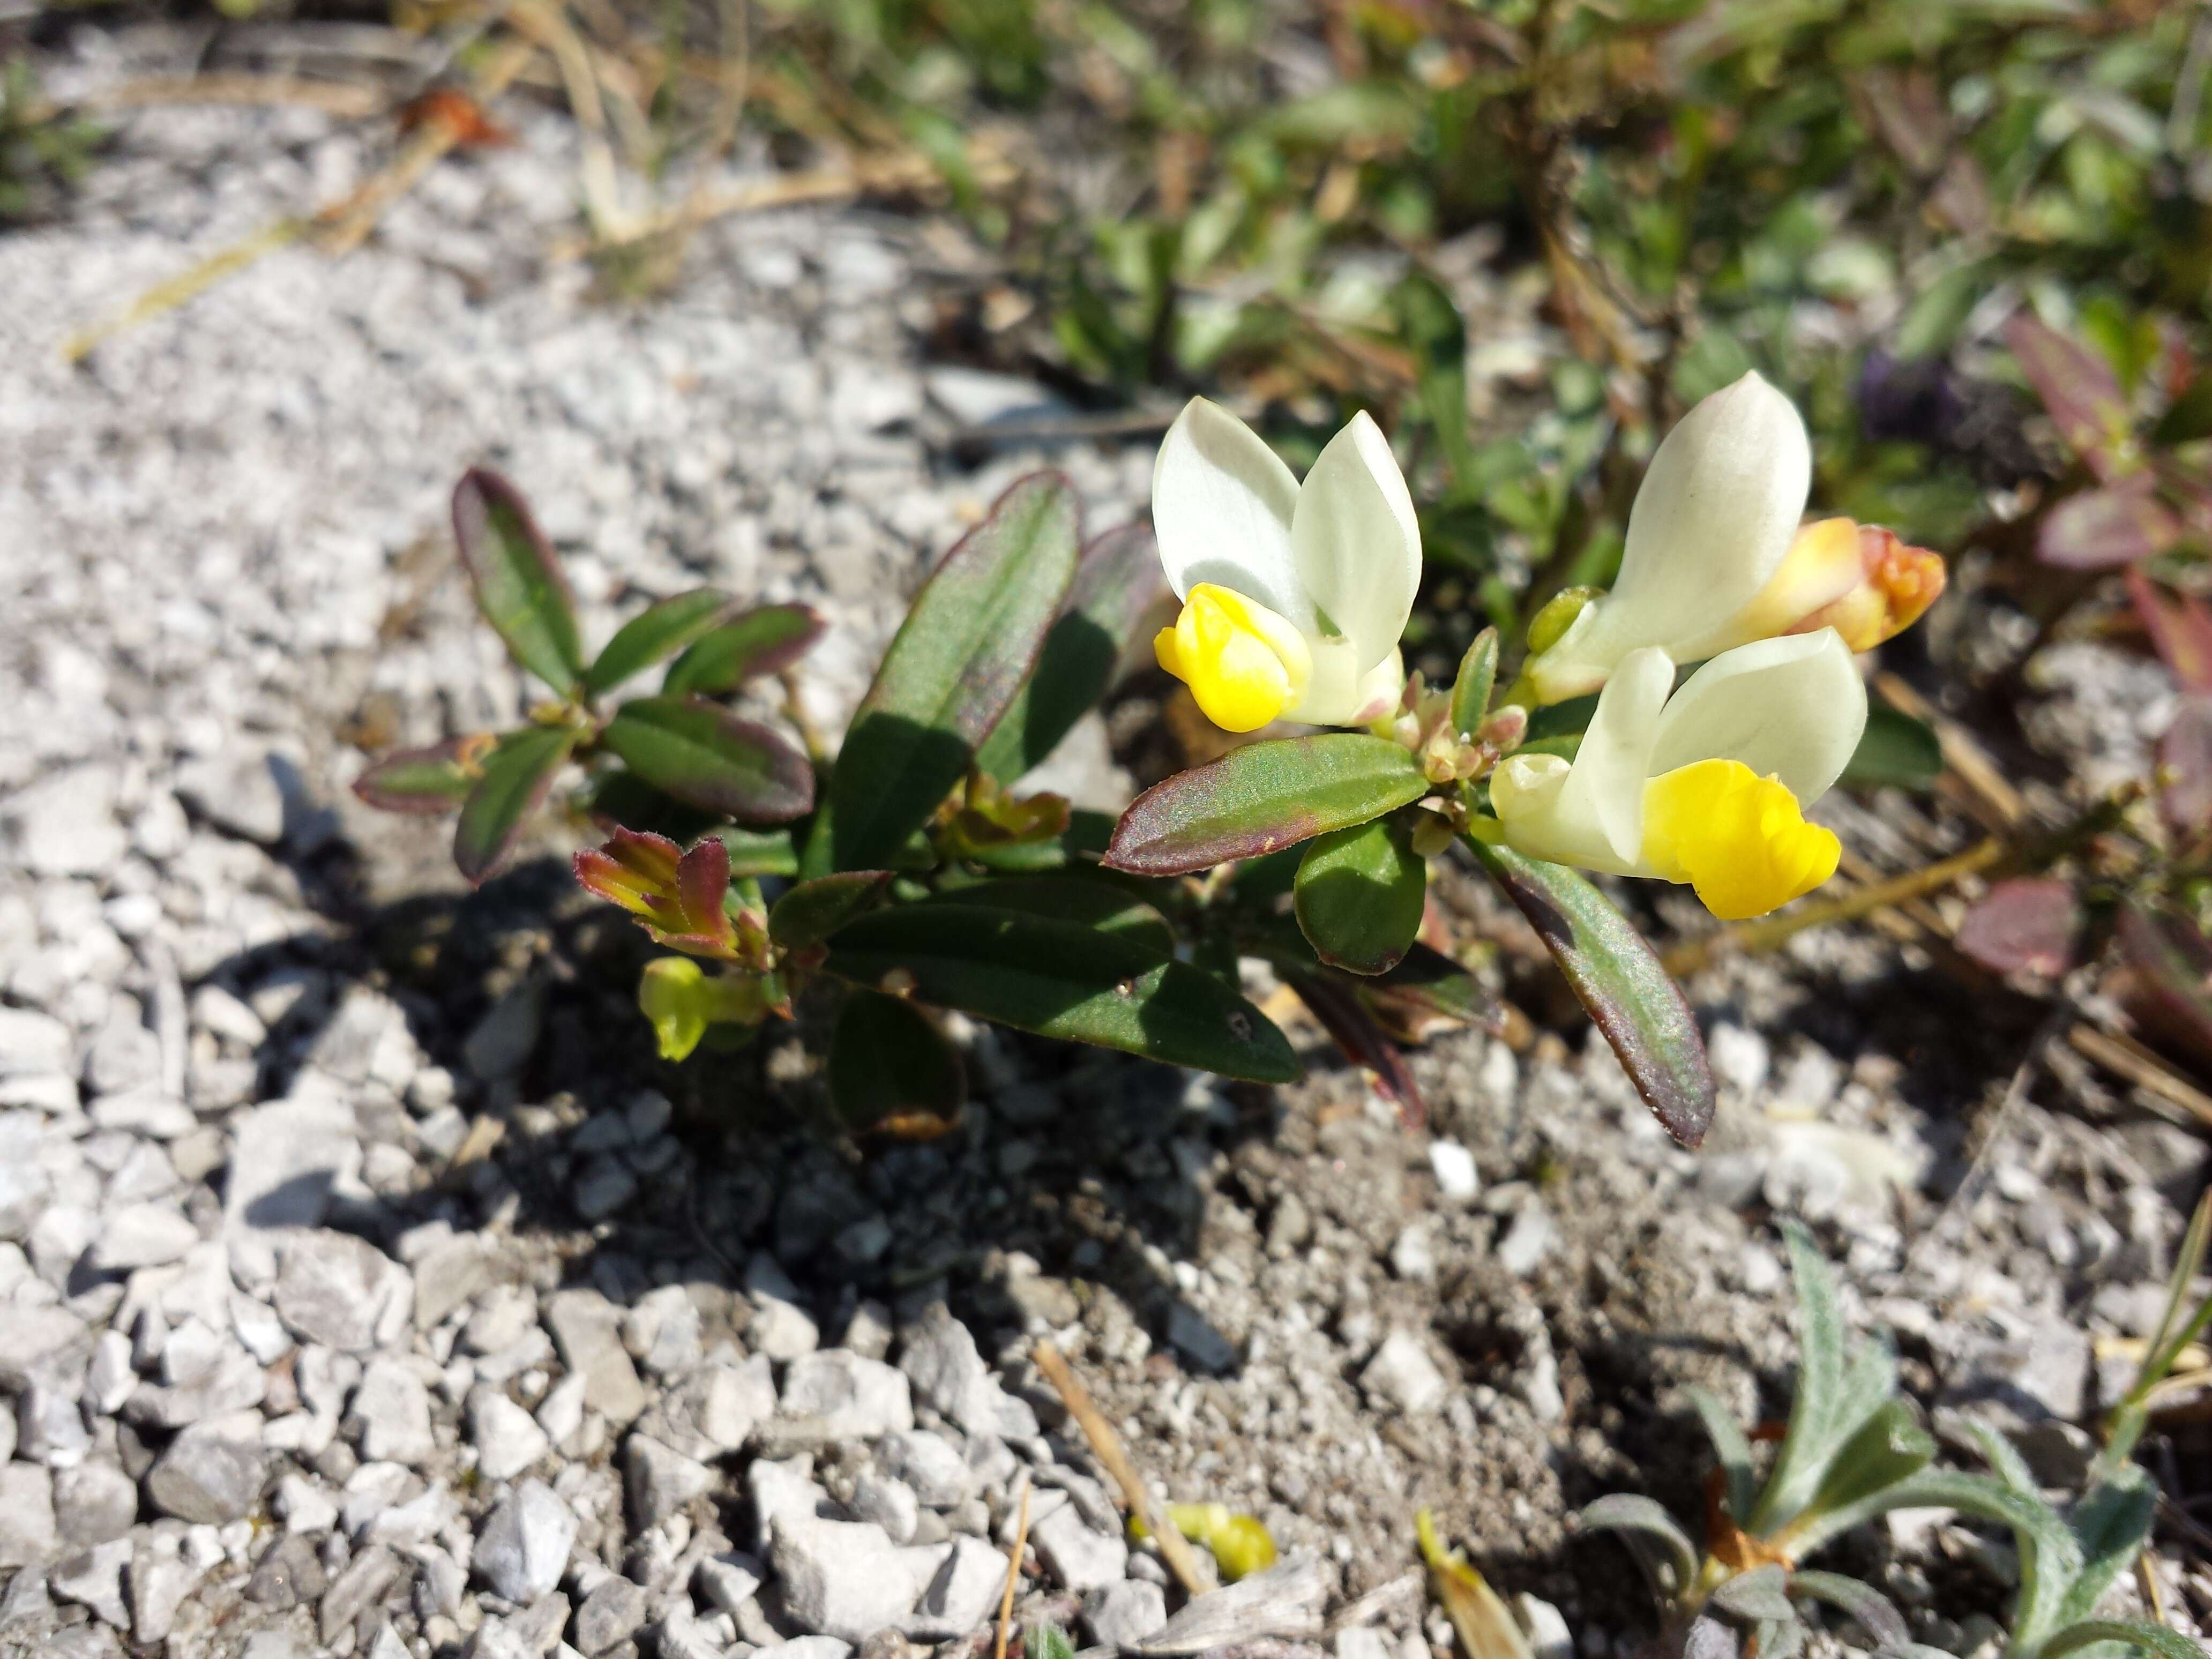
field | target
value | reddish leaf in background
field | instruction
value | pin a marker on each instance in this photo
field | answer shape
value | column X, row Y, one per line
column 2079, row 391
column 457, row 114
column 2169, row 965
column 2184, row 763
column 1354, row 1027
column 2180, row 629
column 2103, row 529
column 2030, row 922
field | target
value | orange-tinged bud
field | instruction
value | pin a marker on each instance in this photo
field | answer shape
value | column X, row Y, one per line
column 1860, row 580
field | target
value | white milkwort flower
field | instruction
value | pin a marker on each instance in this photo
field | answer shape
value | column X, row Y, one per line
column 1294, row 596
column 1705, row 786
column 1714, row 558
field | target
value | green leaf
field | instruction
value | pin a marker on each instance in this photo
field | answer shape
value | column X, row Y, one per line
column 887, row 1059
column 1875, row 1613
column 2049, row 1557
column 968, row 642
column 1616, row 974
column 1115, row 586
column 2109, row 1525
column 1333, row 999
column 1105, row 906
column 1896, row 751
column 1733, row 1447
column 757, row 853
column 1801, row 1460
column 1061, row 979
column 705, row 756
column 2188, row 418
column 1079, row 846
column 1262, row 797
column 1427, row 988
column 517, row 776
column 812, row 910
column 1430, row 323
column 1889, row 1446
column 518, row 585
column 1049, row 1641
column 1624, row 1511
column 1761, row 1593
column 2135, row 1633
column 428, row 781
column 1478, row 674
column 618, row 797
column 764, row 640
column 658, row 632
column 1360, row 893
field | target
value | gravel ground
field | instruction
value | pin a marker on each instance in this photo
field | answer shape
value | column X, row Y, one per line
column 366, row 1286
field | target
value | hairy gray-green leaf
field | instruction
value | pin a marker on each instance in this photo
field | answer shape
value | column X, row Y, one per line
column 1733, row 1447
column 1760, row 1594
column 968, row 641
column 1630, row 1512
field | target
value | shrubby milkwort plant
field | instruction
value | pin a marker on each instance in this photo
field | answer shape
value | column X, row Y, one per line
column 909, row 874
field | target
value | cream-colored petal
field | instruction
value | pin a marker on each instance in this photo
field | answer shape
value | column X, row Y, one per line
column 1712, row 521
column 1791, row 709
column 1355, row 539
column 1335, row 692
column 1222, row 505
column 1591, row 814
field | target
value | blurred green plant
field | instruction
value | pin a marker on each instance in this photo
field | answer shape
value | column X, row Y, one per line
column 44, row 152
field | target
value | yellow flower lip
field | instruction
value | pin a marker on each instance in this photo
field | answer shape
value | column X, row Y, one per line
column 1244, row 663
column 1740, row 840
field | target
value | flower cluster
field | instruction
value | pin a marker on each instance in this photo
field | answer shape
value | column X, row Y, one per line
column 1294, row 596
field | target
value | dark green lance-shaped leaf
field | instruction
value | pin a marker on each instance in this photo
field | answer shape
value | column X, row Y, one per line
column 1897, row 751
column 617, row 797
column 766, row 640
column 1079, row 844
column 757, row 853
column 1426, row 991
column 2188, row 418
column 1478, row 674
column 1431, row 324
column 1097, row 903
column 1115, row 586
column 1262, row 797
column 813, row 910
column 1359, row 895
column 517, row 776
column 426, row 781
column 1061, row 979
column 655, row 634
column 888, row 1060
column 517, row 582
column 969, row 641
column 705, row 756
column 1642, row 1012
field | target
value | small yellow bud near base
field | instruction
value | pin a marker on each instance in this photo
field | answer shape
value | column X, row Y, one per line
column 682, row 1001
column 1740, row 839
column 1243, row 664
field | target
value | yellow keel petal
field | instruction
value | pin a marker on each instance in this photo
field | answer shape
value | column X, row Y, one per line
column 1740, row 839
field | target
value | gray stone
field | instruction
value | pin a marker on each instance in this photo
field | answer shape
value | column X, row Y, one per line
column 506, row 1437
column 304, row 1506
column 65, row 823
column 1196, row 1338
column 211, row 1471
column 603, row 1186
column 289, row 1573
column 781, row 1491
column 333, row 1288
column 729, row 1581
column 364, row 1582
column 1284, row 1601
column 889, row 1503
column 1079, row 1556
column 538, row 1627
column 93, row 1579
column 503, row 1040
column 781, row 1328
column 840, row 1578
column 94, row 1502
column 662, row 1332
column 31, row 1044
column 1121, row 1615
column 587, row 1329
column 236, row 792
column 48, row 1344
column 940, row 1359
column 287, row 1161
column 451, row 1276
column 49, row 1427
column 523, row 1547
column 714, row 1409
column 1528, row 1241
column 1402, row 1377
column 963, row 1592
column 805, row 1647
column 611, row 1615
column 855, row 1399
column 660, row 1481
column 391, row 1415
column 28, row 1534
column 929, row 1464
column 155, row 1586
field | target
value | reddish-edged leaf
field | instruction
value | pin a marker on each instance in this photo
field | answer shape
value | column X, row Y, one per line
column 705, row 756
column 2029, row 923
column 518, row 585
column 1260, row 797
column 1615, row 972
column 2180, row 629
column 766, row 640
column 2184, row 764
column 517, row 776
column 428, row 781
column 968, row 642
column 2122, row 523
column 2170, row 989
column 1353, row 1028
column 1116, row 583
column 813, row 910
column 2079, row 391
column 655, row 634
column 1426, row 993
column 677, row 895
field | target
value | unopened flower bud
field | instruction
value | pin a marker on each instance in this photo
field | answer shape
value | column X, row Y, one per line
column 1558, row 615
